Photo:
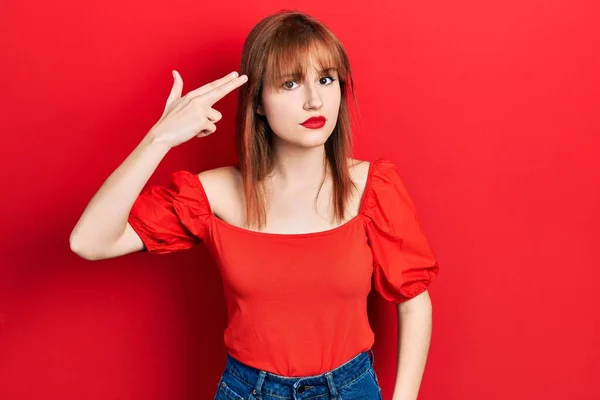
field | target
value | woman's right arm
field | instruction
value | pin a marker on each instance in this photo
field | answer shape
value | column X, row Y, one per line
column 103, row 230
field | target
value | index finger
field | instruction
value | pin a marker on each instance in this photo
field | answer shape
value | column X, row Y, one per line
column 210, row 86
column 218, row 93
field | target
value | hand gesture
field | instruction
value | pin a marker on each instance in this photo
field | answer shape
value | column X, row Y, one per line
column 192, row 115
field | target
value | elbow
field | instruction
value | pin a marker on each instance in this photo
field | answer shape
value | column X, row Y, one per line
column 77, row 248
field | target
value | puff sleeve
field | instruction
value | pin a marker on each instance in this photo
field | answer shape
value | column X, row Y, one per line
column 404, row 263
column 171, row 217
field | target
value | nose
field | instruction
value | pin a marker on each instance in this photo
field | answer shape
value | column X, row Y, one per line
column 313, row 97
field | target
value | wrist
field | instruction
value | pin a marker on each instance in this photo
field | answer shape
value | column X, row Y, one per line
column 150, row 140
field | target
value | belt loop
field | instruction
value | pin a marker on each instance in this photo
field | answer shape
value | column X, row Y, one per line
column 372, row 356
column 257, row 392
column 332, row 387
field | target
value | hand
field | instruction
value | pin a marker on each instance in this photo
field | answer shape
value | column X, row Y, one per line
column 192, row 115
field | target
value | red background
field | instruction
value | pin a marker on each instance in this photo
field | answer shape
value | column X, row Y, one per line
column 489, row 109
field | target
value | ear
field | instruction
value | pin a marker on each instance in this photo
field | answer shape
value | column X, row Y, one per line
column 259, row 110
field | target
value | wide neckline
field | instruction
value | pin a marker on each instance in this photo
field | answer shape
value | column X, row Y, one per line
column 284, row 235
column 346, row 224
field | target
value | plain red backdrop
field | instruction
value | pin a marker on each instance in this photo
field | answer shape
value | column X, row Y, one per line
column 489, row 109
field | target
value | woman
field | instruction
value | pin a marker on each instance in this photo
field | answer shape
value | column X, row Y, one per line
column 298, row 228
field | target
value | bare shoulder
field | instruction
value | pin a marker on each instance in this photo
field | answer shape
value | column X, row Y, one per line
column 222, row 186
column 359, row 171
column 219, row 185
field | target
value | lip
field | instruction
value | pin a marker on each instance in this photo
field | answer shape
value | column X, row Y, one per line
column 314, row 122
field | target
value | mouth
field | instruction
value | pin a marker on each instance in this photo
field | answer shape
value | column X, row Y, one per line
column 314, row 122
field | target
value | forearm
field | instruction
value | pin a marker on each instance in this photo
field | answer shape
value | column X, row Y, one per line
column 414, row 334
column 105, row 217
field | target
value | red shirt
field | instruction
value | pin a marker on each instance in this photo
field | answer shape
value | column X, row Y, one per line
column 297, row 303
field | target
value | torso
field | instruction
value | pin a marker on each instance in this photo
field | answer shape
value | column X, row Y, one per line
column 289, row 213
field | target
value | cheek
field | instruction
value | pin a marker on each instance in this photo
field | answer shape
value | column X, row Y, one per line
column 336, row 96
column 279, row 115
column 281, row 108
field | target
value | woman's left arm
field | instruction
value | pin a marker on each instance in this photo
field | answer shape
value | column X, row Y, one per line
column 414, row 334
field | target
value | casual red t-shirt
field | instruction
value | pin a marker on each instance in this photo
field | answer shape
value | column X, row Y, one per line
column 297, row 303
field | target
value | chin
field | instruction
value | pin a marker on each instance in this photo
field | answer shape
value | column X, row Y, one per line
column 307, row 138
column 312, row 139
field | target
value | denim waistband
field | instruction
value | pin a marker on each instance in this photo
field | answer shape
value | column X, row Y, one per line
column 267, row 383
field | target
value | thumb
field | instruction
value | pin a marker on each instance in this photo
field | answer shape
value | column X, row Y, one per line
column 177, row 88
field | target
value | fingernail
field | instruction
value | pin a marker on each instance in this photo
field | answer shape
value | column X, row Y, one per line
column 234, row 74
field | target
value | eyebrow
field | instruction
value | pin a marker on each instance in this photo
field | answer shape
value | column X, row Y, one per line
column 297, row 74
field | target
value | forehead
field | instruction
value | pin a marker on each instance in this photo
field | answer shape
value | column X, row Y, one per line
column 298, row 61
column 310, row 70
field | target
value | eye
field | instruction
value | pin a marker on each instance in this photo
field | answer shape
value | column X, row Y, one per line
column 286, row 86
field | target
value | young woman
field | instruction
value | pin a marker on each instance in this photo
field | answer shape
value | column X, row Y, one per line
column 298, row 228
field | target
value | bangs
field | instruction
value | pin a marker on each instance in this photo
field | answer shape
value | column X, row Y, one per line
column 292, row 60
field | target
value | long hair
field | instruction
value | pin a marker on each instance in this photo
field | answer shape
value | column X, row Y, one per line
column 279, row 45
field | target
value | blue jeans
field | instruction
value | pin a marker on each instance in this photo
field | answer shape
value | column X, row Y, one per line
column 353, row 380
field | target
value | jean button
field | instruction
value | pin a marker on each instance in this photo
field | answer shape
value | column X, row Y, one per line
column 301, row 388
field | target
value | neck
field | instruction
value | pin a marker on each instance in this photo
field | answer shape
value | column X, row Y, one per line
column 296, row 167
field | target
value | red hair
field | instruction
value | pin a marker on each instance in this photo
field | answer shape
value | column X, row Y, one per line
column 280, row 45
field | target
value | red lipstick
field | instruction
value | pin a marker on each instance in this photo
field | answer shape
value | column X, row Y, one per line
column 314, row 122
